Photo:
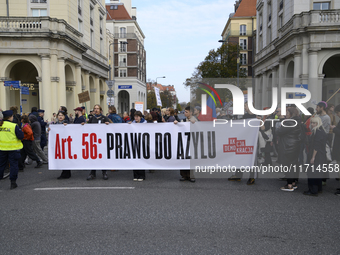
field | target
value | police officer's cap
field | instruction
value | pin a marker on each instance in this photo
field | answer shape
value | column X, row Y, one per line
column 8, row 113
column 41, row 110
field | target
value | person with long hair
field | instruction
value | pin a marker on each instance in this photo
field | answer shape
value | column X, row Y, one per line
column 10, row 146
column 316, row 156
column 98, row 118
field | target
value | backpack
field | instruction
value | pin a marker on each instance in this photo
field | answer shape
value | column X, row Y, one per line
column 115, row 118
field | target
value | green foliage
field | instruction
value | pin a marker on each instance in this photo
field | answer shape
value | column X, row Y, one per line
column 179, row 107
column 166, row 98
column 219, row 66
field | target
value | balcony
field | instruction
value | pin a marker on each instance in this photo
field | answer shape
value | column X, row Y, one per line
column 122, row 64
column 28, row 26
column 39, row 1
column 125, row 35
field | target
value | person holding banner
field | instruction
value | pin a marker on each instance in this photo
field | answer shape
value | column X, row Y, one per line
column 138, row 175
column 187, row 175
column 79, row 116
column 10, row 146
column 65, row 174
column 98, row 118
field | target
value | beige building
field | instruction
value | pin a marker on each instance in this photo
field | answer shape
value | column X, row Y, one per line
column 56, row 48
column 128, row 65
column 239, row 30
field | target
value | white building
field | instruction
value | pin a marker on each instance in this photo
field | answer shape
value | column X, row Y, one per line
column 298, row 42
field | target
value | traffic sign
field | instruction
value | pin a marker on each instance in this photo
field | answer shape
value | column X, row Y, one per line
column 303, row 86
column 110, row 84
column 25, row 91
column 110, row 101
column 110, row 93
column 13, row 84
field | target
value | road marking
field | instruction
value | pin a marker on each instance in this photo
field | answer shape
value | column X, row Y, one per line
column 83, row 188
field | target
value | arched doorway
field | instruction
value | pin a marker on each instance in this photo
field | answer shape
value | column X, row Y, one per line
column 123, row 101
column 25, row 72
column 331, row 82
column 70, row 85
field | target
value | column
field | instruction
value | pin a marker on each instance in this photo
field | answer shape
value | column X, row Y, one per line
column 87, row 88
column 297, row 68
column 313, row 78
column 97, row 93
column 54, row 82
column 274, row 82
column 62, row 83
column 264, row 101
column 45, row 86
column 77, row 88
column 256, row 92
column 281, row 79
column 3, row 95
column 304, row 60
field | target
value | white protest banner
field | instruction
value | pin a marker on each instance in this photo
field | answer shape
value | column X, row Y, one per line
column 158, row 97
column 165, row 146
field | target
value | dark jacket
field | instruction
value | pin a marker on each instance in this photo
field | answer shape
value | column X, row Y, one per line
column 36, row 127
column 290, row 141
column 96, row 119
column 79, row 120
column 336, row 144
column 318, row 142
column 171, row 119
column 115, row 118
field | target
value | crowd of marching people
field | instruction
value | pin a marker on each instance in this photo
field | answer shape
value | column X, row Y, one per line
column 315, row 141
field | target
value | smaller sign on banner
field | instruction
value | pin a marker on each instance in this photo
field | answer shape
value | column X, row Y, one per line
column 84, row 97
column 125, row 87
column 110, row 101
column 24, row 101
column 25, row 91
column 158, row 97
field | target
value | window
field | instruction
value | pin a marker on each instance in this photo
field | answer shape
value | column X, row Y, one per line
column 243, row 44
column 321, row 6
column 79, row 6
column 122, row 33
column 269, row 13
column 260, row 21
column 101, row 45
column 280, row 23
column 92, row 38
column 101, row 24
column 122, row 60
column 114, row 7
column 91, row 15
column 122, row 72
column 39, row 12
column 80, row 25
column 243, row 29
column 243, row 58
column 281, row 6
column 244, row 71
column 39, row 1
column 122, row 47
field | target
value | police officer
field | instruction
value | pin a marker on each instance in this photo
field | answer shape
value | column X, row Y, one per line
column 10, row 146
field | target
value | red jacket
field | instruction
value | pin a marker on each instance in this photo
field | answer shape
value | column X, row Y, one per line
column 28, row 133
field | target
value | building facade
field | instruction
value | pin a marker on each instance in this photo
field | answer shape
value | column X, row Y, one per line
column 128, row 54
column 239, row 30
column 298, row 42
column 57, row 49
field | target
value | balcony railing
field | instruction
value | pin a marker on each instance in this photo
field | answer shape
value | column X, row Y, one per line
column 39, row 1
column 122, row 64
column 17, row 25
column 125, row 35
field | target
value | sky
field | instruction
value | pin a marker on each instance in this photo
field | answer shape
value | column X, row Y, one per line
column 179, row 35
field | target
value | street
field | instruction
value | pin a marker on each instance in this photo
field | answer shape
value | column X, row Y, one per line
column 162, row 215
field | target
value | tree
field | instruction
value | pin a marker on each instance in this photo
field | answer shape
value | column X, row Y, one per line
column 166, row 98
column 219, row 65
column 179, row 107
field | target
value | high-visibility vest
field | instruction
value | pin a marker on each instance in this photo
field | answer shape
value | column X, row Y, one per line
column 8, row 139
